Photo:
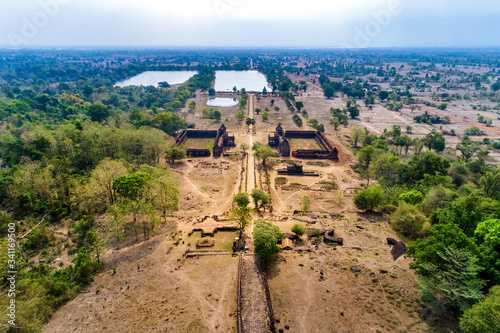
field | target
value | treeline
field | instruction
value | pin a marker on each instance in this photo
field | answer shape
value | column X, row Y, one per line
column 450, row 207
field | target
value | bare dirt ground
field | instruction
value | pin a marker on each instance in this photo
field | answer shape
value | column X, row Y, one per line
column 356, row 287
column 156, row 288
column 207, row 185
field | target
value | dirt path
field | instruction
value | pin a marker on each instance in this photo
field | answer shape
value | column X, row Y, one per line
column 253, row 296
column 251, row 158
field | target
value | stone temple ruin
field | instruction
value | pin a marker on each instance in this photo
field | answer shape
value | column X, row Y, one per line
column 297, row 170
column 281, row 140
column 221, row 140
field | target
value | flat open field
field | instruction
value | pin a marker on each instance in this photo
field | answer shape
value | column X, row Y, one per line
column 199, row 144
column 207, row 185
column 156, row 289
column 304, row 144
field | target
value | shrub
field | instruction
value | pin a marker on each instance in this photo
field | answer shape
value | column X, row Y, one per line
column 306, row 203
column 298, row 229
column 241, row 199
column 409, row 221
column 266, row 236
column 369, row 199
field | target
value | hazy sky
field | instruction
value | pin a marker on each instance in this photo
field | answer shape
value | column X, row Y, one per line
column 239, row 23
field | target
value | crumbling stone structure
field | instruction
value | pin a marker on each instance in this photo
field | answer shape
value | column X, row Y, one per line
column 297, row 170
column 280, row 140
column 221, row 140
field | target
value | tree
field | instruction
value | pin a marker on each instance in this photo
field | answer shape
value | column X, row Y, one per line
column 335, row 123
column 442, row 106
column 5, row 220
column 166, row 196
column 262, row 152
column 305, row 203
column 487, row 235
column 244, row 147
column 241, row 199
column 483, row 316
column 353, row 112
column 135, row 198
column 382, row 94
column 241, row 216
column 243, row 103
column 437, row 198
column 164, row 84
column 458, row 173
column 250, row 121
column 260, row 198
column 211, row 92
column 435, row 141
column 192, row 106
column 240, row 115
column 440, row 237
column 299, row 230
column 266, row 236
column 369, row 199
column 452, row 283
column 385, row 167
column 88, row 90
column 211, row 113
column 265, row 116
column 175, row 154
column 467, row 148
column 169, row 122
column 366, row 155
column 490, row 183
column 328, row 91
column 357, row 135
column 418, row 145
column 94, row 243
column 473, row 130
column 408, row 129
column 98, row 112
column 299, row 105
column 100, row 186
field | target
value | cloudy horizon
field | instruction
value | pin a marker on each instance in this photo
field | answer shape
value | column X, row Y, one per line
column 249, row 23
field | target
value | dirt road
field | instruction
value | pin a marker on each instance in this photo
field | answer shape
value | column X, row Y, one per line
column 251, row 157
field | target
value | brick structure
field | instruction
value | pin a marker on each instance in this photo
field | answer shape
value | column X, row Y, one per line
column 281, row 142
column 197, row 152
column 221, row 141
column 278, row 141
column 297, row 170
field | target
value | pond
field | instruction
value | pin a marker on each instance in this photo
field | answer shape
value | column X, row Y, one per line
column 152, row 78
column 222, row 102
column 250, row 80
